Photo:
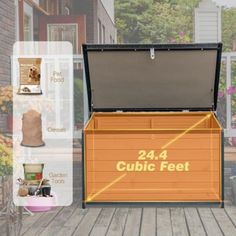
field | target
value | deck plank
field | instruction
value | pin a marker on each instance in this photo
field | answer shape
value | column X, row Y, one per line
column 132, row 226
column 56, row 225
column 148, row 223
column 103, row 221
column 38, row 226
column 178, row 222
column 163, row 222
column 224, row 222
column 117, row 225
column 87, row 222
column 209, row 222
column 72, row 222
column 29, row 220
column 194, row 222
column 231, row 212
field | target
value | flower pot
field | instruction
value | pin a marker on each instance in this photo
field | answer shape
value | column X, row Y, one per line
column 40, row 204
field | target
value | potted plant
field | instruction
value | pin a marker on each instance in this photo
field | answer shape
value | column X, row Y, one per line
column 6, row 105
column 5, row 167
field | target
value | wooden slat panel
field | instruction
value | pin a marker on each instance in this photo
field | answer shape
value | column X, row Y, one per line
column 173, row 154
column 171, row 185
column 200, row 150
column 156, row 177
column 111, row 166
column 124, row 143
column 155, row 197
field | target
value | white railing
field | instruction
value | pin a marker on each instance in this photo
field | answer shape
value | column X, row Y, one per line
column 228, row 58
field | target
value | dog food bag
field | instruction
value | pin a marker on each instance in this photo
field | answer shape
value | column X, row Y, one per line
column 30, row 75
column 32, row 129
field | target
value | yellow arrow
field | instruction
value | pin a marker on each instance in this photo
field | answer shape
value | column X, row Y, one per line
column 186, row 131
column 90, row 198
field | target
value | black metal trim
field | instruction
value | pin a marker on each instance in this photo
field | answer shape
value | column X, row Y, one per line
column 144, row 47
column 83, row 170
column 87, row 76
column 149, row 109
column 217, row 74
column 141, row 47
column 222, row 168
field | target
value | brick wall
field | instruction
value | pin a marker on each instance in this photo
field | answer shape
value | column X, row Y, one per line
column 86, row 7
column 7, row 39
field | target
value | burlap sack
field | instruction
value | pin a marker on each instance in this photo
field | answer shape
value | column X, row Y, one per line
column 32, row 129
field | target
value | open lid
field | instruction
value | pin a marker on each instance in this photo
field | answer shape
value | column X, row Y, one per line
column 152, row 77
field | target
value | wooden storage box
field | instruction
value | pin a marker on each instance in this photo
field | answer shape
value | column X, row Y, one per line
column 153, row 135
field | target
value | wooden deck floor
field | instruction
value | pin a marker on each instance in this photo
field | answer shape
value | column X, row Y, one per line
column 131, row 221
column 72, row 220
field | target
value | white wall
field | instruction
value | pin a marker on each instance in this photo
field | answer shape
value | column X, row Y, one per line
column 109, row 6
column 207, row 22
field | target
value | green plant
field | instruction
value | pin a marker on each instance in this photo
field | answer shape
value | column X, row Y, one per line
column 6, row 99
column 78, row 101
column 5, row 156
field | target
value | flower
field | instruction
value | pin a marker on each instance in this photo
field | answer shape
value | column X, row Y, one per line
column 181, row 34
column 231, row 90
column 221, row 94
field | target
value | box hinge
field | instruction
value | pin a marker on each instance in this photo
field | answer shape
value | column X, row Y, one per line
column 152, row 53
column 119, row 111
column 185, row 110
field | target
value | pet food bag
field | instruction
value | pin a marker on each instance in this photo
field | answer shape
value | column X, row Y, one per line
column 32, row 129
column 30, row 75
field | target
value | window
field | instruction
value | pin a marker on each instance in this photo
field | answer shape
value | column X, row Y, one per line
column 28, row 22
column 64, row 32
column 103, row 34
column 99, row 31
column 111, row 40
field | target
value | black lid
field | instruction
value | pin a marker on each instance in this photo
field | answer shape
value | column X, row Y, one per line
column 152, row 77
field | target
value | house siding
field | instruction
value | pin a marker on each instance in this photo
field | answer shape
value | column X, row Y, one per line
column 94, row 10
column 106, row 21
column 7, row 39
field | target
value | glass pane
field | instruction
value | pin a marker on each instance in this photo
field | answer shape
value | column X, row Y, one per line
column 233, row 93
column 27, row 27
column 63, row 32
